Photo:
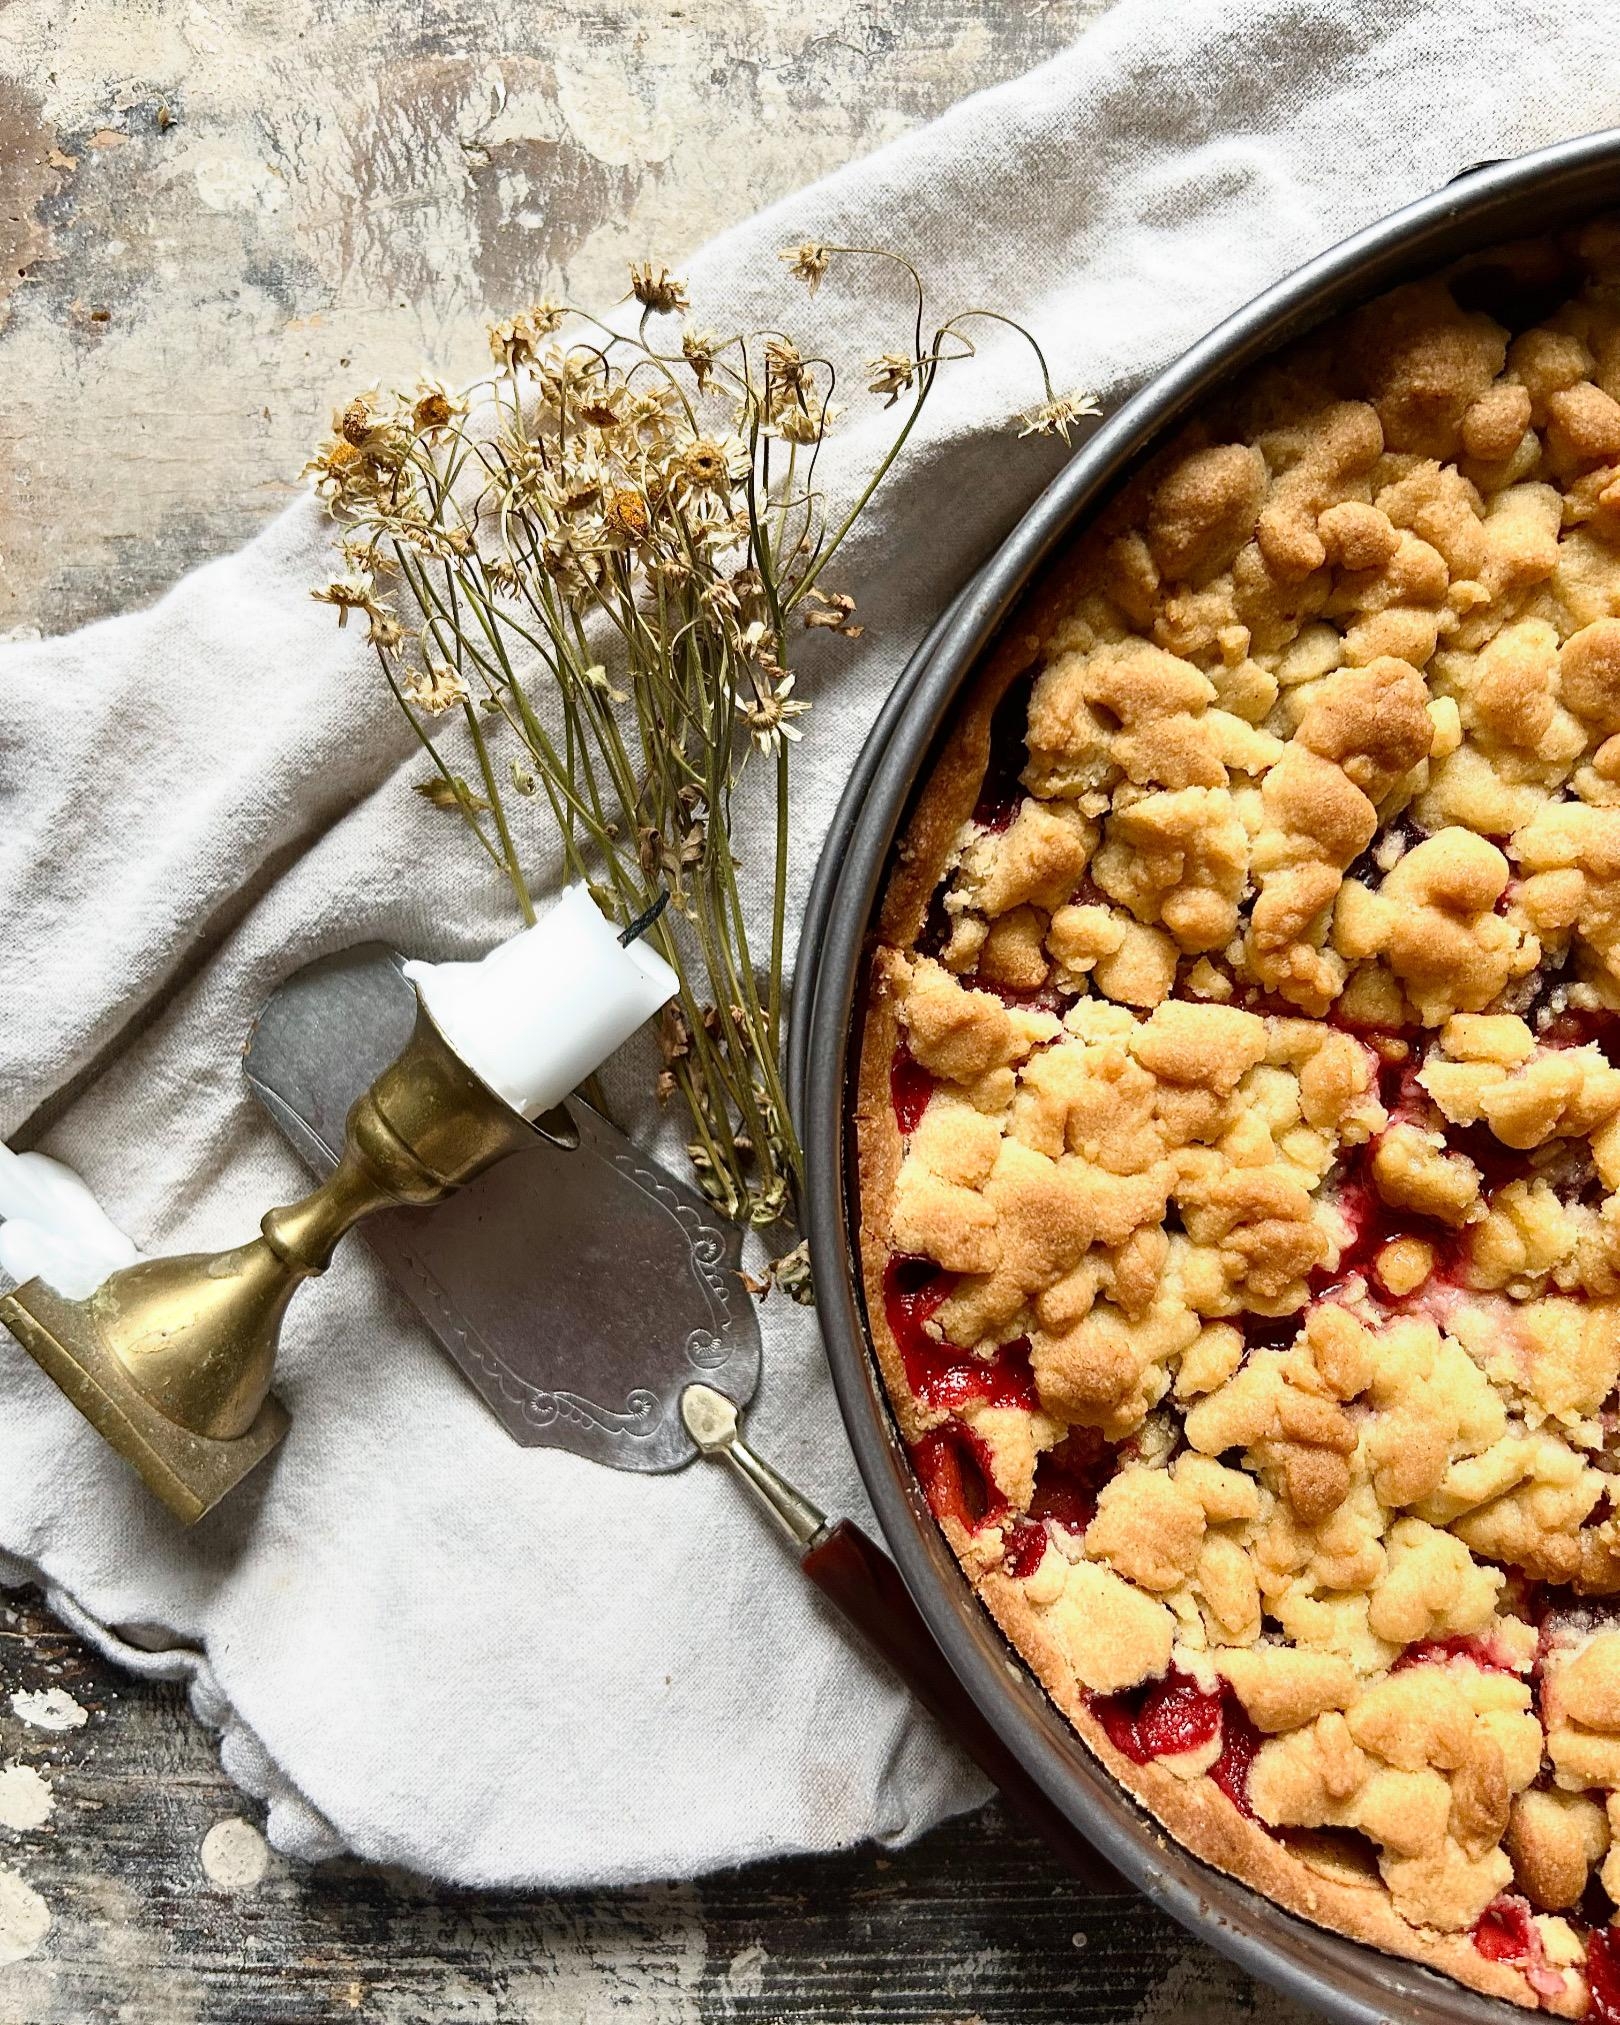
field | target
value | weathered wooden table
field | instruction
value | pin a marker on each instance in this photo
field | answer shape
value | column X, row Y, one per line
column 213, row 215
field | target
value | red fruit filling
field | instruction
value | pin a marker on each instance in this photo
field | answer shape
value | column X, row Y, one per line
column 1239, row 1742
column 1067, row 1481
column 913, row 1290
column 1166, row 1717
column 1044, row 998
column 910, row 1087
column 1577, row 1029
column 1603, row 1976
column 1069, row 1477
column 1269, row 1332
column 1024, row 1545
column 939, row 1374
column 1373, row 1224
column 1507, row 1932
column 953, row 1466
column 1159, row 1719
column 1479, row 1650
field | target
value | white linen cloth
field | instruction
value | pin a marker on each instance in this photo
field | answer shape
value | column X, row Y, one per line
column 422, row 1642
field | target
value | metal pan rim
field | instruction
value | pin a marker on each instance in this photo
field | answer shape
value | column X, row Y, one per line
column 1342, row 1979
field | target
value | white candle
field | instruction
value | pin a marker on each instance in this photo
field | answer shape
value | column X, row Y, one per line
column 539, row 1013
column 54, row 1229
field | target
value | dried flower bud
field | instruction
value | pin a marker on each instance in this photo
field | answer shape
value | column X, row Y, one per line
column 791, row 1272
column 357, row 419
column 1057, row 416
column 769, row 715
column 435, row 687
column 674, row 1035
column 769, row 1205
column 339, row 472
column 806, row 421
column 657, row 289
column 807, row 263
column 833, row 610
column 453, row 793
column 435, row 407
column 626, row 514
column 893, row 373
column 784, row 368
column 384, row 632
column 348, row 594
column 546, row 316
column 706, row 465
column 698, row 348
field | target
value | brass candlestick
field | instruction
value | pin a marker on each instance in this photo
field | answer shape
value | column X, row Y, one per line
column 171, row 1359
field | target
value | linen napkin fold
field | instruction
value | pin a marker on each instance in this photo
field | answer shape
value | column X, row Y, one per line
column 421, row 1642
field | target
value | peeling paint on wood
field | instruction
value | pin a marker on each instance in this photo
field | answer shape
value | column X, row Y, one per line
column 26, row 1798
column 31, row 167
column 222, row 210
column 235, row 1856
column 25, row 1918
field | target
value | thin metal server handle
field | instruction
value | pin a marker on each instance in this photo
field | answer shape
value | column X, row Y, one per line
column 860, row 1580
column 715, row 1423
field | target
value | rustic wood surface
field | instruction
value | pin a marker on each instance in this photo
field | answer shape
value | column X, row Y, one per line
column 973, row 1925
column 214, row 215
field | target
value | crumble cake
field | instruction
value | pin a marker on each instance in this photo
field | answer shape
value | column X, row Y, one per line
column 1239, row 1128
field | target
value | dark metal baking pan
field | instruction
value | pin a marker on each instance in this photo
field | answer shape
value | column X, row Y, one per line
column 1532, row 195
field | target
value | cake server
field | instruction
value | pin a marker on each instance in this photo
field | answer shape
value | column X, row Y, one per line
column 539, row 1277
column 595, row 1302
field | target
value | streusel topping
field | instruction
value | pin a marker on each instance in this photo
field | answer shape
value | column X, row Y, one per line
column 1254, row 1251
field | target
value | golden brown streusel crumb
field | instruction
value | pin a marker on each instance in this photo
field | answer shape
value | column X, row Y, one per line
column 1269, row 1168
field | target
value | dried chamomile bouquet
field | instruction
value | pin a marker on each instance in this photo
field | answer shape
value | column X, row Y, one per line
column 600, row 557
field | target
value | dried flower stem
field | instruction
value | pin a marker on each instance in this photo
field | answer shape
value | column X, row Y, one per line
column 602, row 568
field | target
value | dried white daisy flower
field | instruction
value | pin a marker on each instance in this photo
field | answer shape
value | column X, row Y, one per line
column 603, row 558
column 807, row 263
column 1057, row 416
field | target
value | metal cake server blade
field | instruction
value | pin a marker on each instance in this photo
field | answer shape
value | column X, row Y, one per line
column 580, row 1291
